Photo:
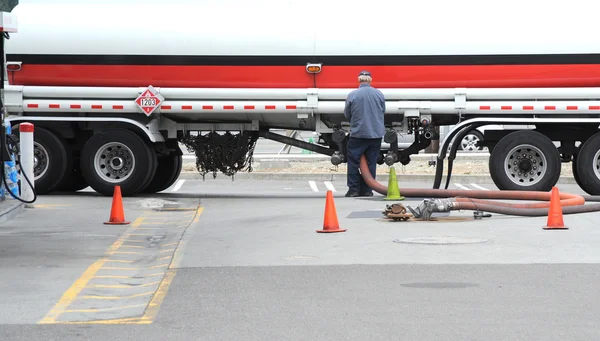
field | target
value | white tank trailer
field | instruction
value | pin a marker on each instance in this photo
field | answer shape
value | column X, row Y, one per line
column 113, row 86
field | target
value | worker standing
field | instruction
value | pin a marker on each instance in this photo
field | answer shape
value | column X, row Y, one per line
column 365, row 108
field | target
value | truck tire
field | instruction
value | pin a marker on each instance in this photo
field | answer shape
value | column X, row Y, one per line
column 52, row 164
column 586, row 165
column 117, row 157
column 525, row 160
column 167, row 172
column 75, row 182
column 575, row 171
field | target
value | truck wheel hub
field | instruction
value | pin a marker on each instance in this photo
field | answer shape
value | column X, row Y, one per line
column 525, row 165
column 114, row 162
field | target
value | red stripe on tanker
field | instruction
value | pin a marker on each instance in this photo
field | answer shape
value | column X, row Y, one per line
column 296, row 77
column 436, row 51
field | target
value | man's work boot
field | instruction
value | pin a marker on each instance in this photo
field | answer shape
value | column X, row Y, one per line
column 352, row 194
column 367, row 194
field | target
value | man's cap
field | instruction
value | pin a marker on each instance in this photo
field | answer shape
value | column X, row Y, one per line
column 364, row 73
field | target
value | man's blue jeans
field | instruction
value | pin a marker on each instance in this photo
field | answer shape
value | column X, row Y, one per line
column 356, row 148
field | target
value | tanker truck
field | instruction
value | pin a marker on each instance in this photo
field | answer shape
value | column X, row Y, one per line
column 114, row 87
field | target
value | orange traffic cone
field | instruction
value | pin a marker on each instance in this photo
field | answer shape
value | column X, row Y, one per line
column 555, row 216
column 117, row 216
column 330, row 223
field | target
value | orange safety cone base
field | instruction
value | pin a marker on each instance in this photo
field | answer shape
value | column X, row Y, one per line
column 555, row 228
column 331, row 231
column 116, row 223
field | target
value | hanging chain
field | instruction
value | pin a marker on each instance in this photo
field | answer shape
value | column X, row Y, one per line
column 228, row 153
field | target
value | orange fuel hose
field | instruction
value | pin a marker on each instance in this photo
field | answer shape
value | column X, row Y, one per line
column 469, row 199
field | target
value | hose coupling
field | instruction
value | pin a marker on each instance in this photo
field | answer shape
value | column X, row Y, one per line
column 429, row 206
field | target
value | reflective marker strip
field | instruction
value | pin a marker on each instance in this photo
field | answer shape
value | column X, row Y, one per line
column 228, row 107
column 164, row 107
column 530, row 107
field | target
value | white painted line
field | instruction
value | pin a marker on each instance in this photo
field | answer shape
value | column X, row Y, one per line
column 462, row 187
column 329, row 186
column 178, row 185
column 313, row 186
column 479, row 187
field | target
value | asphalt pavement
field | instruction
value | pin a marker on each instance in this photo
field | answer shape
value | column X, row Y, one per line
column 241, row 260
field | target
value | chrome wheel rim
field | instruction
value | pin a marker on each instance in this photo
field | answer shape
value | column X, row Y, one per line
column 525, row 165
column 114, row 162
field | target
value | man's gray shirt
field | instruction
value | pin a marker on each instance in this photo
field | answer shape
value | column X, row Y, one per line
column 364, row 110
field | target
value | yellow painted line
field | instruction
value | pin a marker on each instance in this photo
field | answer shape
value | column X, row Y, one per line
column 104, row 309
column 127, row 253
column 71, row 294
column 89, row 297
column 159, row 266
column 198, row 213
column 113, row 277
column 128, row 277
column 138, row 222
column 129, row 320
column 118, row 261
column 148, row 228
column 163, row 258
column 50, row 205
column 122, row 286
column 159, row 297
column 169, row 250
column 117, row 268
column 155, row 274
column 170, row 244
column 133, row 247
column 139, row 234
column 135, row 241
